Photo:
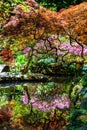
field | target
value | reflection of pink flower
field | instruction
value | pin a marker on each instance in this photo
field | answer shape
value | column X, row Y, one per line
column 44, row 103
column 40, row 106
column 60, row 105
column 32, row 100
column 85, row 51
column 35, row 105
column 26, row 55
column 25, row 98
column 59, row 102
column 56, row 100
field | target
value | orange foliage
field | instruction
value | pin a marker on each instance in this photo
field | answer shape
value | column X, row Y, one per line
column 36, row 22
column 74, row 21
column 5, row 117
column 7, row 55
column 40, row 22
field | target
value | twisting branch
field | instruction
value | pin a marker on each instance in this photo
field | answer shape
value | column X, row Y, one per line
column 81, row 46
column 29, row 98
column 45, row 46
column 70, row 38
column 56, row 59
column 25, row 70
column 75, row 39
column 64, row 56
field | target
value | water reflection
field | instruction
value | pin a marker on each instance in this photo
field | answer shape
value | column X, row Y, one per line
column 43, row 91
column 36, row 103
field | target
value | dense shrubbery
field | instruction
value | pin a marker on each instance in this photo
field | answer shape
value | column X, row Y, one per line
column 32, row 23
column 58, row 4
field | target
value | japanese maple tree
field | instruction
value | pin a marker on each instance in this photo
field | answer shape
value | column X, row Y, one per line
column 31, row 19
column 30, row 22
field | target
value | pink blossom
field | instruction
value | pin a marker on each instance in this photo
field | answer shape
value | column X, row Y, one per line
column 58, row 102
column 60, row 105
column 25, row 98
column 35, row 105
column 85, row 51
column 44, row 103
column 27, row 49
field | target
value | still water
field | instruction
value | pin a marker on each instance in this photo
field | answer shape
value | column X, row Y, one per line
column 33, row 105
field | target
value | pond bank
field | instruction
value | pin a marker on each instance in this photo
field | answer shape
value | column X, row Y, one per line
column 37, row 77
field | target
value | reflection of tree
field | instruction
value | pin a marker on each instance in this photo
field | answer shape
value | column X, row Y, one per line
column 44, row 119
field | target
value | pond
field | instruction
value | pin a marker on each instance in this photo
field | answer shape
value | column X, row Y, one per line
column 35, row 105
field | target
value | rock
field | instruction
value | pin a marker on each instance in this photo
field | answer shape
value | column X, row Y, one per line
column 4, row 68
column 7, row 76
column 4, row 75
column 37, row 77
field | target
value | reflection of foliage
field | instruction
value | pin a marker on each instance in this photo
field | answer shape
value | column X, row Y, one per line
column 10, row 93
column 19, row 88
column 38, row 118
column 5, row 117
column 3, row 100
column 77, row 119
column 24, row 115
column 46, row 89
column 83, row 91
column 84, row 81
column 20, row 110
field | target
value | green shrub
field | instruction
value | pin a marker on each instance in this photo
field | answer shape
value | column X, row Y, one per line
column 84, row 81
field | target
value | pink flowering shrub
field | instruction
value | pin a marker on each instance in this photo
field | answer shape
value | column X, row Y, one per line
column 67, row 58
column 43, row 105
column 53, row 47
column 25, row 98
column 26, row 51
column 73, row 49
